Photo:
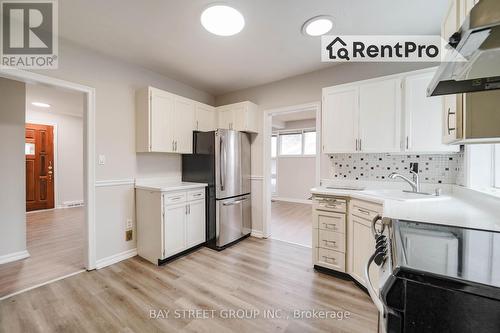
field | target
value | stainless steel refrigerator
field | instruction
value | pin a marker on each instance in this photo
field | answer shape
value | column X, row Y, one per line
column 222, row 159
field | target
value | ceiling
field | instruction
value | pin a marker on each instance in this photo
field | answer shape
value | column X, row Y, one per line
column 166, row 35
column 62, row 101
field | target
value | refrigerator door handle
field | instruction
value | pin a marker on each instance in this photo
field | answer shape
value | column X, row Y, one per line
column 222, row 167
column 234, row 202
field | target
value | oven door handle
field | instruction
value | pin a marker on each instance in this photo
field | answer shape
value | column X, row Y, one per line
column 371, row 291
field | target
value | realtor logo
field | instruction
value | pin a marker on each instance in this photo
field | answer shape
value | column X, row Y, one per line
column 29, row 34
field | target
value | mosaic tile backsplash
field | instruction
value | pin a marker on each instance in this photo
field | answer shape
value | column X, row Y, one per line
column 437, row 169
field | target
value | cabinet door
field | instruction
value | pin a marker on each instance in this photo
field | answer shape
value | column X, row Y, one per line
column 452, row 104
column 380, row 116
column 175, row 229
column 362, row 248
column 424, row 119
column 161, row 127
column 226, row 118
column 195, row 226
column 206, row 117
column 340, row 120
column 184, row 125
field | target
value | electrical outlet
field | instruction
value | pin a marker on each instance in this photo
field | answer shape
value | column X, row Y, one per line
column 102, row 159
column 129, row 224
column 129, row 235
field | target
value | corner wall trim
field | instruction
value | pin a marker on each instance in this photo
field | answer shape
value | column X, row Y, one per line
column 14, row 256
column 101, row 263
column 257, row 234
column 114, row 182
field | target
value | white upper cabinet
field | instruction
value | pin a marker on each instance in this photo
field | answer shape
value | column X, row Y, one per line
column 242, row 117
column 340, row 119
column 380, row 116
column 206, row 118
column 423, row 117
column 183, row 125
column 385, row 115
column 162, row 106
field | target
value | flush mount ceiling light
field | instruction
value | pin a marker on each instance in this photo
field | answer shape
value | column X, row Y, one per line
column 41, row 105
column 317, row 26
column 222, row 20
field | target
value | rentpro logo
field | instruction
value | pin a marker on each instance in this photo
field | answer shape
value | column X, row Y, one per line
column 383, row 49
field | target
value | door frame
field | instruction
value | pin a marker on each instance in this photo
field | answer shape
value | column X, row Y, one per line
column 266, row 155
column 54, row 147
column 88, row 151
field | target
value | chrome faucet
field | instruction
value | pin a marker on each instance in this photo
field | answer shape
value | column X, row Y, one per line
column 415, row 183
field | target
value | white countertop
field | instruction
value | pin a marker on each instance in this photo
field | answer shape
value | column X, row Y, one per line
column 167, row 185
column 457, row 206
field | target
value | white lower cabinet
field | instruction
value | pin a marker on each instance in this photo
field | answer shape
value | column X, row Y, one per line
column 169, row 223
column 342, row 237
column 195, row 224
column 175, row 229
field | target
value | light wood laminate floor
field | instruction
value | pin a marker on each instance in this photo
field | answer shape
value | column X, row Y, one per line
column 254, row 274
column 55, row 240
column 291, row 222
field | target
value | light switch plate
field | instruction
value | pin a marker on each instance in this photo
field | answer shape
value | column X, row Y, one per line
column 102, row 159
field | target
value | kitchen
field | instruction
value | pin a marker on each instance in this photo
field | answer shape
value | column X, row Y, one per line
column 178, row 174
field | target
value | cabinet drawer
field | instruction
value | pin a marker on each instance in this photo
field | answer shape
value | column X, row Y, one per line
column 331, row 240
column 196, row 194
column 331, row 259
column 330, row 204
column 329, row 221
column 176, row 197
column 365, row 210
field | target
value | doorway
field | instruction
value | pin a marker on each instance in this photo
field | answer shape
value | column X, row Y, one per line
column 47, row 207
column 291, row 146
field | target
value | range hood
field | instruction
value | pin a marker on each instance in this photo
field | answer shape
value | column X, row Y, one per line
column 478, row 41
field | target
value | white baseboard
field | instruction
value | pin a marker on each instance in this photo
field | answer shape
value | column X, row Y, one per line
column 71, row 204
column 14, row 256
column 302, row 201
column 101, row 263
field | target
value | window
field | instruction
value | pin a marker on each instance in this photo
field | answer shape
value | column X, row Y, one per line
column 309, row 143
column 496, row 164
column 483, row 166
column 291, row 144
column 274, row 146
column 294, row 143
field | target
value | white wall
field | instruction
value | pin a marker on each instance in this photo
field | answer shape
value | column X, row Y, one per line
column 296, row 176
column 115, row 83
column 303, row 89
column 13, row 166
column 69, row 165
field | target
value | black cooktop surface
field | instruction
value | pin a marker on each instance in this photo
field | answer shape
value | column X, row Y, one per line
column 447, row 251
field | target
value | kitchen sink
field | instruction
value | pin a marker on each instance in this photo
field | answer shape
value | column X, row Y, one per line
column 403, row 195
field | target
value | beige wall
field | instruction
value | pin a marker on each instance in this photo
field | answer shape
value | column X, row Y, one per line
column 69, row 166
column 306, row 88
column 12, row 171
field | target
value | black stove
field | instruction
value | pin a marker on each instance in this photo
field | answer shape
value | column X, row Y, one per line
column 436, row 278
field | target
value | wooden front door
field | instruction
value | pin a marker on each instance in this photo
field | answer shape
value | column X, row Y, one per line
column 39, row 153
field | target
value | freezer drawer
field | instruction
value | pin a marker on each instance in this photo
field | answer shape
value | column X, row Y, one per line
column 233, row 219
